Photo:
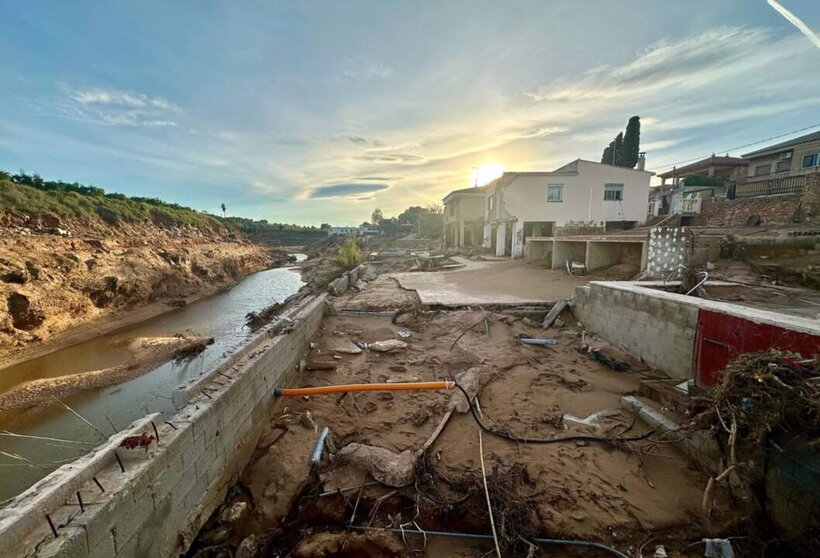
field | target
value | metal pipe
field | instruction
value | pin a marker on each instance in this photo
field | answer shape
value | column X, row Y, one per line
column 705, row 277
column 343, row 388
column 478, row 536
column 316, row 456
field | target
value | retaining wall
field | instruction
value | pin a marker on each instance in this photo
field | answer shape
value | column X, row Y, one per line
column 161, row 496
column 661, row 327
column 661, row 331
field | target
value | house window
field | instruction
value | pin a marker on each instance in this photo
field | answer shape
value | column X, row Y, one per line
column 784, row 166
column 812, row 160
column 613, row 192
column 555, row 192
column 762, row 170
column 490, row 203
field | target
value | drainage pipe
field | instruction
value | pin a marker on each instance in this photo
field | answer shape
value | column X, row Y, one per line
column 538, row 540
column 316, row 456
column 344, row 388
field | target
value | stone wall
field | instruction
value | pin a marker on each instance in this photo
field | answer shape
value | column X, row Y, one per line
column 775, row 210
column 155, row 503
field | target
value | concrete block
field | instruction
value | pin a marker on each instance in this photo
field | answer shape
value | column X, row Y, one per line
column 70, row 544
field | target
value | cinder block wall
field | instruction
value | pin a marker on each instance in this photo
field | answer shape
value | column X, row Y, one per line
column 157, row 504
column 659, row 331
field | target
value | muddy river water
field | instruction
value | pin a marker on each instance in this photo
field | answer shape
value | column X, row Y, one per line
column 222, row 316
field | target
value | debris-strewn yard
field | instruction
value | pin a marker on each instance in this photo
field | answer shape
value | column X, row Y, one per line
column 628, row 495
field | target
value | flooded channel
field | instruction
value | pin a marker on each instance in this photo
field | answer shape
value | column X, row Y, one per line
column 222, row 316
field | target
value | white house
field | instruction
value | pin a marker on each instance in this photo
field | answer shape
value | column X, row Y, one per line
column 343, row 231
column 580, row 197
column 368, row 229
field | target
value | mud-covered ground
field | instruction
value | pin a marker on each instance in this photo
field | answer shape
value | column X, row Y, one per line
column 621, row 494
column 60, row 274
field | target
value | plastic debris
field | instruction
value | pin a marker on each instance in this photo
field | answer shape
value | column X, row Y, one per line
column 538, row 341
column 594, row 419
column 403, row 334
column 718, row 548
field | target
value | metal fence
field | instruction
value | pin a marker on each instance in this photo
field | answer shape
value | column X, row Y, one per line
column 767, row 187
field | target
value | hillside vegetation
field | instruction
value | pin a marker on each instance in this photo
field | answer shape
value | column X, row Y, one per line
column 32, row 195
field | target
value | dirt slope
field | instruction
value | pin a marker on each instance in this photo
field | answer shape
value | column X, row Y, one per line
column 57, row 273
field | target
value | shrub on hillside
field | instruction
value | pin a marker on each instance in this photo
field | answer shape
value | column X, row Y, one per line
column 349, row 254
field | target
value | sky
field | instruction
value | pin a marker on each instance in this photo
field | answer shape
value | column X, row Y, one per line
column 321, row 111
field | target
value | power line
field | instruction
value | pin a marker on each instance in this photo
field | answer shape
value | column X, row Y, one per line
column 665, row 165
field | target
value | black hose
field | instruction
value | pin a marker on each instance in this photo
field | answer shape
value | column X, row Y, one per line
column 573, row 438
column 538, row 540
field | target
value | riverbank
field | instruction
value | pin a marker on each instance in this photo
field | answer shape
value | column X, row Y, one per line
column 146, row 354
column 66, row 280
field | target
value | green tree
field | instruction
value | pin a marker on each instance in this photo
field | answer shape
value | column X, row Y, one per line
column 606, row 157
column 377, row 217
column 349, row 254
column 618, row 149
column 632, row 143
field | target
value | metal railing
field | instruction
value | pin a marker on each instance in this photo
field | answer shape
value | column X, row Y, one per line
column 751, row 188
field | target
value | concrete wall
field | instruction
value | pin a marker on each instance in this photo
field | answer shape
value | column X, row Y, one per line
column 164, row 496
column 658, row 326
column 658, row 330
column 349, row 278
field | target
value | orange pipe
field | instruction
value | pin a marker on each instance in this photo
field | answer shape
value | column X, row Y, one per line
column 322, row 390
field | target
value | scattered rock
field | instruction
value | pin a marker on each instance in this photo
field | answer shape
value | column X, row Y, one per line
column 234, row 513
column 345, row 347
column 387, row 345
column 18, row 276
column 250, row 547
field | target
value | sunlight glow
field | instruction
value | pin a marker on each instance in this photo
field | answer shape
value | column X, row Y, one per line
column 485, row 173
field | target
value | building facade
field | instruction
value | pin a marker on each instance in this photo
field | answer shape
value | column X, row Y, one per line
column 580, row 197
column 464, row 218
column 798, row 156
column 343, row 231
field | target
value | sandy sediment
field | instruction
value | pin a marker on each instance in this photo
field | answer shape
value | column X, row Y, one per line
column 614, row 493
column 147, row 354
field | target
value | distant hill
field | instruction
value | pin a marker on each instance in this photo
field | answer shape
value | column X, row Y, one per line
column 32, row 195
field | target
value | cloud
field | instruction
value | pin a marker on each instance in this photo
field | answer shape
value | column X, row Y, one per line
column 345, row 190
column 690, row 63
column 796, row 21
column 391, row 157
column 366, row 69
column 111, row 107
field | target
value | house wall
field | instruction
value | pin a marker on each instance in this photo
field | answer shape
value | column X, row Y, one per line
column 796, row 160
column 525, row 199
column 166, row 492
column 460, row 213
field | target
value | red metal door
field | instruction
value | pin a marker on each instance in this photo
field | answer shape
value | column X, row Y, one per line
column 720, row 337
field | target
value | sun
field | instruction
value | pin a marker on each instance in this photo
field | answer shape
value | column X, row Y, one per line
column 486, row 173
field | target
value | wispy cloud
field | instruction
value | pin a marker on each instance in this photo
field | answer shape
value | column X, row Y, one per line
column 346, row 190
column 366, row 69
column 111, row 107
column 796, row 21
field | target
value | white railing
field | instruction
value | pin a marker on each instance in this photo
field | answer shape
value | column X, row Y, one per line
column 690, row 205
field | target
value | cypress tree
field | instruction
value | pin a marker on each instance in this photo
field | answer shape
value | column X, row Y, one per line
column 606, row 158
column 618, row 148
column 631, row 143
